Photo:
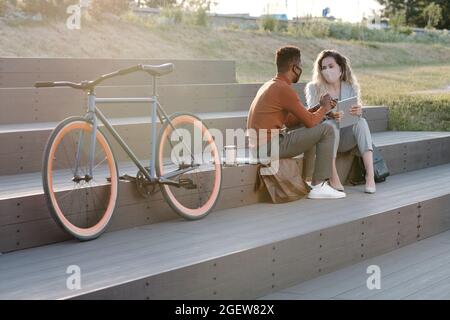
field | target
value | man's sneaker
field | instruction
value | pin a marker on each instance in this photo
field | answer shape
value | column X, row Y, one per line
column 324, row 191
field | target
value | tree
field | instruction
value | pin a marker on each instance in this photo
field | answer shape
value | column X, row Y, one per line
column 159, row 3
column 398, row 20
column 391, row 7
column 433, row 14
column 445, row 7
column 414, row 11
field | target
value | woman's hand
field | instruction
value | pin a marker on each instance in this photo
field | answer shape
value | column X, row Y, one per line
column 356, row 110
column 336, row 115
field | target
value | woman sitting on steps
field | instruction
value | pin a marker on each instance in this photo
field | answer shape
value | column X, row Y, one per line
column 332, row 73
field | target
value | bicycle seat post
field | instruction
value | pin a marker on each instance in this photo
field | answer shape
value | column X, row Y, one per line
column 154, row 86
column 153, row 124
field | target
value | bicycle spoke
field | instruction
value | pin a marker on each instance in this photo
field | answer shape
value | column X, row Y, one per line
column 99, row 163
column 67, row 194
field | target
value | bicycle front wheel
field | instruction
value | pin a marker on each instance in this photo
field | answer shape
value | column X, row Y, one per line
column 185, row 143
column 80, row 202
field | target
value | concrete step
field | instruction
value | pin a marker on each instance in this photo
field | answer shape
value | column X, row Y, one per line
column 241, row 253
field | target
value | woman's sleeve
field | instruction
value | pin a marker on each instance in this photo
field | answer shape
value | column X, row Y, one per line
column 311, row 95
column 356, row 92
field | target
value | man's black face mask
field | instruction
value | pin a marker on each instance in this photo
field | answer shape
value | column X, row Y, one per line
column 297, row 74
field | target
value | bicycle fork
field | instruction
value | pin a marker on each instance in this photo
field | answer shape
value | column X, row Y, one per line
column 91, row 117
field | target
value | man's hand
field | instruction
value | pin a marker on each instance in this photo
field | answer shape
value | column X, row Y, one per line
column 327, row 103
column 336, row 115
column 356, row 110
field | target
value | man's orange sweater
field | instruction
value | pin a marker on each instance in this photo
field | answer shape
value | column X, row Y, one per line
column 277, row 104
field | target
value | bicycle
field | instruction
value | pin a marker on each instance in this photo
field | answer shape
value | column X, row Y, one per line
column 80, row 172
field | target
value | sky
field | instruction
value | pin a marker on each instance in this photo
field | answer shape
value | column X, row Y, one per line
column 347, row 10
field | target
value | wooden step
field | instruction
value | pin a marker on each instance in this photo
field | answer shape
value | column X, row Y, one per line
column 24, row 72
column 23, row 143
column 240, row 253
column 25, row 214
column 29, row 105
column 417, row 271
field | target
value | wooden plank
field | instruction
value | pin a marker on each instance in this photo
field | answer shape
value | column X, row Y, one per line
column 239, row 177
column 268, row 285
column 28, row 105
column 410, row 281
column 376, row 112
column 218, row 279
column 344, row 244
column 22, row 152
column 377, row 125
column 23, row 72
column 435, row 216
column 202, row 242
column 55, row 104
column 283, row 221
column 330, row 285
column 440, row 290
column 29, row 231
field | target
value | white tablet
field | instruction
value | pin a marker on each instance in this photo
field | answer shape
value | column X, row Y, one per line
column 346, row 105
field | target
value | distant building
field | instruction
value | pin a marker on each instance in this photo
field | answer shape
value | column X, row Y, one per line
column 325, row 12
column 375, row 22
column 277, row 16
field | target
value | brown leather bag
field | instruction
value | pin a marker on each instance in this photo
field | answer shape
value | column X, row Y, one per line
column 285, row 185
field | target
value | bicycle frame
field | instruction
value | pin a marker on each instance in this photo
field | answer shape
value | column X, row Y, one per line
column 94, row 114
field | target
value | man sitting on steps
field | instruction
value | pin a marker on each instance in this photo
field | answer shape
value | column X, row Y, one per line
column 277, row 106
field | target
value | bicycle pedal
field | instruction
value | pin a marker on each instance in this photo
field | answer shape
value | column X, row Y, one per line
column 187, row 184
column 126, row 177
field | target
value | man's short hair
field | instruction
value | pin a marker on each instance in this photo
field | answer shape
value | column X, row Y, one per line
column 286, row 56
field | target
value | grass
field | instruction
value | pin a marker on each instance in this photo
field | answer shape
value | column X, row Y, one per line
column 419, row 113
column 398, row 88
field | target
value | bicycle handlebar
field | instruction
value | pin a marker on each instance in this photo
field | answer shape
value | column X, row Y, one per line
column 47, row 84
column 87, row 85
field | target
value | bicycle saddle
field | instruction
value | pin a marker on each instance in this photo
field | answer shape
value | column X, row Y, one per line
column 158, row 70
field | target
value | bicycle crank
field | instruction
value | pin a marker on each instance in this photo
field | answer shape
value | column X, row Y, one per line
column 145, row 187
column 187, row 183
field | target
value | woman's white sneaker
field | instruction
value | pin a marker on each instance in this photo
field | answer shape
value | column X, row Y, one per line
column 325, row 191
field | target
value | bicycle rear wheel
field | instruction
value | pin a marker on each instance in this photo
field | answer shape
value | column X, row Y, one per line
column 81, row 204
column 185, row 142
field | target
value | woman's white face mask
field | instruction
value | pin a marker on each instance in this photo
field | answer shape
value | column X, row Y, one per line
column 332, row 75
